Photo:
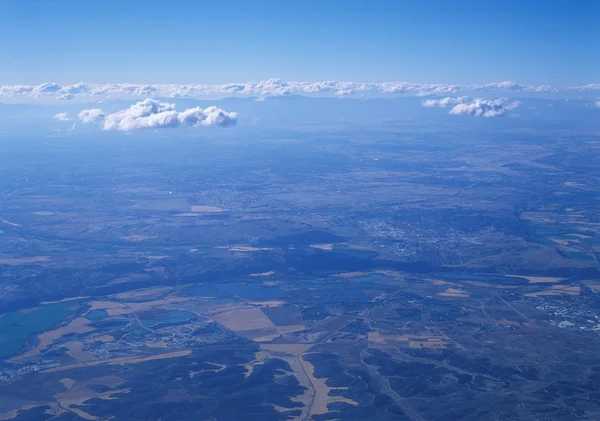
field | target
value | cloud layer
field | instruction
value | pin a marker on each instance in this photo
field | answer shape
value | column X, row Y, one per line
column 271, row 87
column 478, row 107
column 152, row 114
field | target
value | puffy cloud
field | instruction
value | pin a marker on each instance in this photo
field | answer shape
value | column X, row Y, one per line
column 484, row 107
column 265, row 88
column 443, row 102
column 91, row 116
column 61, row 117
column 478, row 107
column 152, row 114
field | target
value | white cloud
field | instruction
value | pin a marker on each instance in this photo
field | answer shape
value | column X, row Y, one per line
column 61, row 117
column 588, row 87
column 478, row 107
column 153, row 114
column 266, row 88
column 484, row 107
column 443, row 102
column 91, row 116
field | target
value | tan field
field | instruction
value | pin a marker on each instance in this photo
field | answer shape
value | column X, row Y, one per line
column 592, row 284
column 453, row 292
column 78, row 326
column 292, row 349
column 541, row 279
column 77, row 394
column 505, row 322
column 143, row 293
column 322, row 398
column 67, row 382
column 75, row 350
column 290, row 328
column 121, row 361
column 241, row 319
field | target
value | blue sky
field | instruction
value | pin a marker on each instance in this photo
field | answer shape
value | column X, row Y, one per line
column 532, row 42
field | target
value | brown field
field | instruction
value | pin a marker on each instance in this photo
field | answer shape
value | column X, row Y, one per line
column 259, row 359
column 101, row 338
column 592, row 284
column 77, row 326
column 541, row 279
column 412, row 341
column 480, row 284
column 67, row 382
column 75, row 350
column 292, row 349
column 121, row 361
column 379, row 338
column 79, row 393
column 556, row 290
column 289, row 328
column 505, row 322
column 241, row 319
column 260, row 337
column 145, row 292
column 76, row 394
column 105, row 305
column 453, row 292
column 132, row 307
column 206, row 209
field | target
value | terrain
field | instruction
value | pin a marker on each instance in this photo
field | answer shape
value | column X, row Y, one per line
column 393, row 272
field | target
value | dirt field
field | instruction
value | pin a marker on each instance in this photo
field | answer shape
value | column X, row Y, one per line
column 453, row 292
column 241, row 319
column 121, row 361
